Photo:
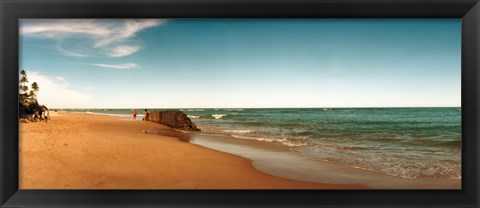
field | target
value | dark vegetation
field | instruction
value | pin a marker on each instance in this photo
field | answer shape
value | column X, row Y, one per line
column 28, row 105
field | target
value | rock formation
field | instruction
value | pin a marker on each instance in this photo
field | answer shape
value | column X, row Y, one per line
column 172, row 118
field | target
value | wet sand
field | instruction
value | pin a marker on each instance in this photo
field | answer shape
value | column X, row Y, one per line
column 81, row 151
column 277, row 159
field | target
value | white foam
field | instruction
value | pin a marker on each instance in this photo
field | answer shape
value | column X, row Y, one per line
column 292, row 143
column 219, row 116
column 254, row 138
column 398, row 165
column 192, row 116
column 238, row 131
column 234, row 109
column 282, row 141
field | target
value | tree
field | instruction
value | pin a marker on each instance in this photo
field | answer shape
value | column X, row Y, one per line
column 24, row 89
column 24, row 97
column 23, row 81
column 28, row 103
column 23, row 73
column 23, row 77
column 35, row 90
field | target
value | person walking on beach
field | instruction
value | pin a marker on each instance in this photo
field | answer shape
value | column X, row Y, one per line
column 145, row 114
column 46, row 115
column 134, row 114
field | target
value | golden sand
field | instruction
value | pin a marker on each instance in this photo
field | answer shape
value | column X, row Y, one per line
column 82, row 151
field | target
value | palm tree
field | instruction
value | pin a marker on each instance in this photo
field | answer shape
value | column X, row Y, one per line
column 35, row 90
column 23, row 81
column 23, row 73
column 35, row 86
column 28, row 103
column 25, row 89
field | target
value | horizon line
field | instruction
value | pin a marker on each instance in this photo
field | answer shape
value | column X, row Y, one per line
column 262, row 107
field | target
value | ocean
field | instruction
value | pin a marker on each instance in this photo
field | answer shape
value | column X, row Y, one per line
column 402, row 142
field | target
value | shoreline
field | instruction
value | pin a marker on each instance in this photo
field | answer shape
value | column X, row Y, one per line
column 81, row 151
column 265, row 158
column 407, row 149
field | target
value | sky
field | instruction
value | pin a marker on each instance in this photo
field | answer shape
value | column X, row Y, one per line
column 243, row 63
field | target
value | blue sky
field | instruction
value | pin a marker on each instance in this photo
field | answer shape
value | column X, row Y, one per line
column 241, row 63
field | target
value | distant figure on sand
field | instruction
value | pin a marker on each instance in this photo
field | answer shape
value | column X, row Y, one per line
column 35, row 117
column 46, row 114
column 145, row 114
column 134, row 114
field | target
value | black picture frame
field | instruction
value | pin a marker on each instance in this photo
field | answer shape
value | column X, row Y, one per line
column 13, row 10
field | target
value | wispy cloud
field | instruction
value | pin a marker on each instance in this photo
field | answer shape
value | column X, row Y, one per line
column 88, row 37
column 123, row 50
column 117, row 66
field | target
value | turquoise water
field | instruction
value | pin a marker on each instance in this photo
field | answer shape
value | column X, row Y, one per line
column 403, row 142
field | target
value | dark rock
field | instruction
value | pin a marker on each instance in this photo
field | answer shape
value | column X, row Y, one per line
column 172, row 118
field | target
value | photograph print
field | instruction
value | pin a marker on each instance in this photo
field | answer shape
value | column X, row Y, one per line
column 157, row 104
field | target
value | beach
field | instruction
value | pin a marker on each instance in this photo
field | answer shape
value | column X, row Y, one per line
column 88, row 151
column 82, row 151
